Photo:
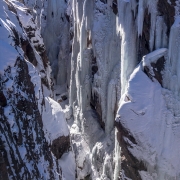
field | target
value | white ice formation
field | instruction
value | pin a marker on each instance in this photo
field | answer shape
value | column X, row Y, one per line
column 110, row 63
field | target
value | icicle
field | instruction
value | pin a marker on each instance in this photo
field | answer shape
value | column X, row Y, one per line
column 117, row 158
column 141, row 9
column 173, row 63
column 128, row 44
column 152, row 7
column 159, row 32
column 111, row 100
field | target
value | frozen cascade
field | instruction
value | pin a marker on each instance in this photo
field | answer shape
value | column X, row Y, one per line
column 172, row 72
column 111, row 99
column 110, row 59
column 127, row 28
column 99, row 36
column 169, row 100
column 160, row 31
column 83, row 73
column 152, row 9
column 56, row 40
column 31, row 121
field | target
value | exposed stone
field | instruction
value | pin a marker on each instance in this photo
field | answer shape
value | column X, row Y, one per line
column 143, row 48
column 167, row 10
column 3, row 169
column 60, row 146
column 64, row 97
column 115, row 7
column 157, row 68
column 129, row 163
column 3, row 101
column 104, row 1
column 29, row 130
column 96, row 106
column 44, row 57
column 28, row 51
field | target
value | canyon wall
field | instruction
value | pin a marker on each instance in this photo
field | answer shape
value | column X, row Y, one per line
column 106, row 69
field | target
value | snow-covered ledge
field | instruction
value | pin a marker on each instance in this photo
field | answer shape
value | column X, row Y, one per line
column 154, row 63
column 153, row 56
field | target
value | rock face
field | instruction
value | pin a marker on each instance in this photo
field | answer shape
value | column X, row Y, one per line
column 3, row 100
column 107, row 68
column 144, row 38
column 158, row 68
column 60, row 146
column 130, row 166
column 22, row 136
column 167, row 11
column 25, row 151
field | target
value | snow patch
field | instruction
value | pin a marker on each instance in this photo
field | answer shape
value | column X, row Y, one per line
column 54, row 122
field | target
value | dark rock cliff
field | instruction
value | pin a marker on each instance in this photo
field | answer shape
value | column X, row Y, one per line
column 25, row 152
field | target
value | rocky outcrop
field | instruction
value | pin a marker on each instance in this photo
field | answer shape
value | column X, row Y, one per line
column 144, row 38
column 25, row 152
column 130, row 166
column 166, row 9
column 21, row 128
column 60, row 146
column 28, row 51
column 157, row 69
column 3, row 163
column 3, row 101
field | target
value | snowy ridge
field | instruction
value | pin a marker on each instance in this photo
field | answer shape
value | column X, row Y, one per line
column 153, row 57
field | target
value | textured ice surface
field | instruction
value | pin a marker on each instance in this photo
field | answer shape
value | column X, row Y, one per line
column 79, row 35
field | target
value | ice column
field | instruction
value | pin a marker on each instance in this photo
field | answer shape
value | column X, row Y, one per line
column 83, row 74
column 129, row 42
column 56, row 38
column 172, row 73
column 75, row 51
